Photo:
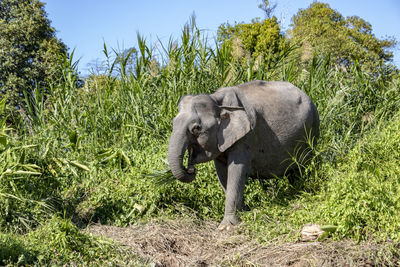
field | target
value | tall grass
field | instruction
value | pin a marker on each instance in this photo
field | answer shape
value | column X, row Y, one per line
column 85, row 152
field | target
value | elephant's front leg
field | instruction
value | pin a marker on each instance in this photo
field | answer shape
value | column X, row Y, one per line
column 238, row 168
column 222, row 171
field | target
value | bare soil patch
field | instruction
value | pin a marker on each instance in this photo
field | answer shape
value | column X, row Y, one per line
column 185, row 243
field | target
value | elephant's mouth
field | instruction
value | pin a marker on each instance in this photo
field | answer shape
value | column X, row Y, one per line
column 197, row 154
column 191, row 169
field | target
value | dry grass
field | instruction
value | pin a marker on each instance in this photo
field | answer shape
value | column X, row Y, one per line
column 185, row 243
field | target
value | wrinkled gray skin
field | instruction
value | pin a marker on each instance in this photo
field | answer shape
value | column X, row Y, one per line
column 248, row 130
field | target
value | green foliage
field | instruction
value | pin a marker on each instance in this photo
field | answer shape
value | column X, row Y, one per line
column 58, row 242
column 361, row 196
column 322, row 30
column 261, row 41
column 29, row 50
column 13, row 250
column 87, row 153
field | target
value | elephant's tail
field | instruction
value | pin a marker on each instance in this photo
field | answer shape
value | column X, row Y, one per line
column 315, row 124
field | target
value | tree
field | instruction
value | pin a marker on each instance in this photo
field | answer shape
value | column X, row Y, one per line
column 267, row 8
column 259, row 40
column 28, row 49
column 320, row 29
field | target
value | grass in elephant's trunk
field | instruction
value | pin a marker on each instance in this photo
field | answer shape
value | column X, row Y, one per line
column 162, row 177
column 166, row 177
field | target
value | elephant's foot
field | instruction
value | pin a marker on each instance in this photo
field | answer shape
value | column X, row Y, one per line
column 229, row 222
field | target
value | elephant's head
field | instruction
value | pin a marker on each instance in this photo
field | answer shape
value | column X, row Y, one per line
column 206, row 126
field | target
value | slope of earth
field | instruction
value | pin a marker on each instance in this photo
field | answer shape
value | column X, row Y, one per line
column 185, row 243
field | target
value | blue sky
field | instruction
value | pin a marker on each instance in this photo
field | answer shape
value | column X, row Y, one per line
column 84, row 25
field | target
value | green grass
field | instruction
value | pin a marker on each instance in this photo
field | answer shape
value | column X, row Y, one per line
column 58, row 242
column 87, row 154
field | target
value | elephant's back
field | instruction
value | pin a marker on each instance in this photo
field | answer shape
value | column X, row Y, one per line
column 281, row 104
column 264, row 95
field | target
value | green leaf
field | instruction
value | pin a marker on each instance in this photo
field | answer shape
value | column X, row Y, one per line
column 20, row 172
column 329, row 228
column 2, row 105
column 73, row 137
column 125, row 157
column 112, row 156
column 323, row 236
column 3, row 140
column 79, row 165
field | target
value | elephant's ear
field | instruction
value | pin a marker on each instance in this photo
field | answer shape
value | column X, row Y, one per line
column 234, row 118
column 234, row 125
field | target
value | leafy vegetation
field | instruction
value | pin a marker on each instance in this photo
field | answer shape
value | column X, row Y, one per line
column 320, row 29
column 58, row 242
column 258, row 41
column 85, row 153
column 29, row 50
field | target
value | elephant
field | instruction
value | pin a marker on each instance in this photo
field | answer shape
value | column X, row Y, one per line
column 250, row 130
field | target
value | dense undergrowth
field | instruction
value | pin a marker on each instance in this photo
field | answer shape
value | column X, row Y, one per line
column 84, row 155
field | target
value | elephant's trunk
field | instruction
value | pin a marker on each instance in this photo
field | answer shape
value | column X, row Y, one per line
column 176, row 150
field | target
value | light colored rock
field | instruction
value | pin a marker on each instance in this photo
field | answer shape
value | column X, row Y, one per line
column 311, row 232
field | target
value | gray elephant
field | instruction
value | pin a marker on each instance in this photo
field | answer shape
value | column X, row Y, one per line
column 252, row 129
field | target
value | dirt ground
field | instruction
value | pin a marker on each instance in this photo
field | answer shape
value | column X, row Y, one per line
column 173, row 243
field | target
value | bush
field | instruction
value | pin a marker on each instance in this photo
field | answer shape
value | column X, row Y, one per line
column 361, row 197
column 58, row 242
